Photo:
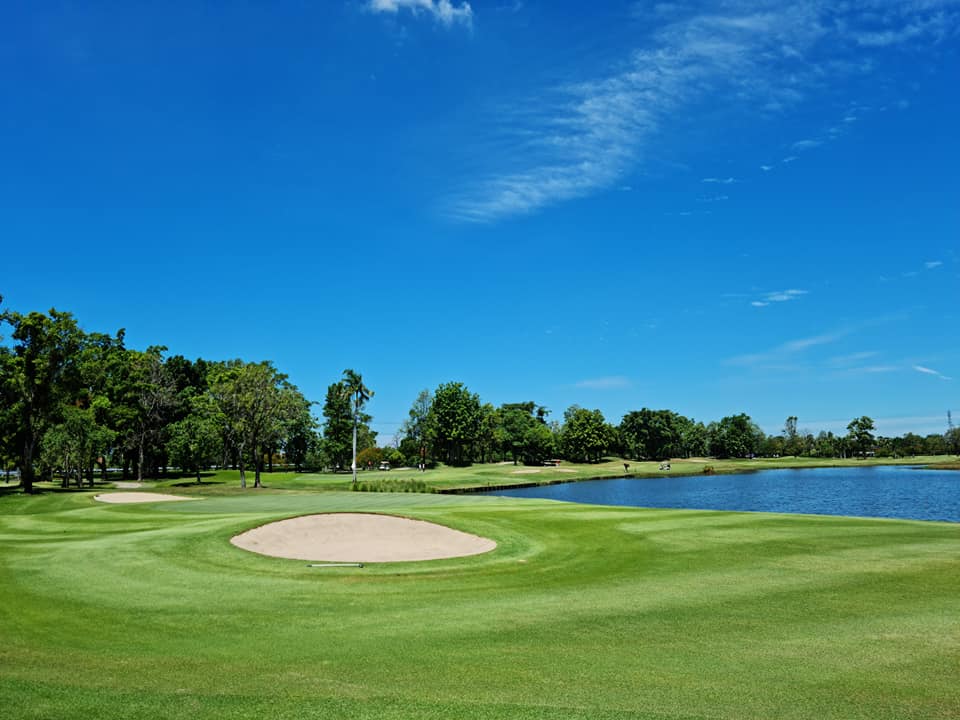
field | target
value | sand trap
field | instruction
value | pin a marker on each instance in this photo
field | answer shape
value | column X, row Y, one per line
column 528, row 471
column 360, row 537
column 137, row 497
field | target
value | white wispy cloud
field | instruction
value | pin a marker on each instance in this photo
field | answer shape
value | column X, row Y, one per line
column 575, row 139
column 808, row 342
column 873, row 369
column 852, row 358
column 783, row 353
column 614, row 382
column 937, row 25
column 801, row 145
column 766, row 168
column 931, row 371
column 932, row 264
column 445, row 12
column 721, row 181
column 779, row 296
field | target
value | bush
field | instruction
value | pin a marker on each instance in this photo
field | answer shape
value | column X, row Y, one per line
column 708, row 470
column 411, row 486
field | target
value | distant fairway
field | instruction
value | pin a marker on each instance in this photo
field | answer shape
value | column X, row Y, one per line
column 147, row 611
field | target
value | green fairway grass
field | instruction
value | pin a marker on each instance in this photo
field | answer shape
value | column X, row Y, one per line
column 147, row 611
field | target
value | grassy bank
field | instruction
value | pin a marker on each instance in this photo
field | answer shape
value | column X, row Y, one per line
column 504, row 474
column 581, row 612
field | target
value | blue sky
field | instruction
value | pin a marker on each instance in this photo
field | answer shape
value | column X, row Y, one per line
column 717, row 208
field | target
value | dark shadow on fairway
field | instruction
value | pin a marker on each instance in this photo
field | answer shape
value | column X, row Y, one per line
column 191, row 480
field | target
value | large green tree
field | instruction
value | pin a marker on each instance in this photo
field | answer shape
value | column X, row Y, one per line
column 41, row 378
column 195, row 440
column 72, row 445
column 735, row 436
column 253, row 402
column 585, row 435
column 860, row 434
column 453, row 424
column 523, row 434
column 300, row 436
column 151, row 396
column 652, row 434
column 414, row 443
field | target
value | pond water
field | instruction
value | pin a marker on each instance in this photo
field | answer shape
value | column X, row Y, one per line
column 879, row 491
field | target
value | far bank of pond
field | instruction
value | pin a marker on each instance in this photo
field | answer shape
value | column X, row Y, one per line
column 888, row 491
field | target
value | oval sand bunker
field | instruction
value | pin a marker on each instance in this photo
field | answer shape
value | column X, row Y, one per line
column 360, row 537
column 137, row 497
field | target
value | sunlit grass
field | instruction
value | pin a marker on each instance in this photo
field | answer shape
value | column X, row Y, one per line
column 581, row 612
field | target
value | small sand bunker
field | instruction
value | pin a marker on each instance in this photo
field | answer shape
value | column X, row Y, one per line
column 360, row 537
column 528, row 471
column 137, row 497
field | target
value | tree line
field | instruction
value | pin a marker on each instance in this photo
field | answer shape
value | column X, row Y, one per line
column 75, row 403
column 452, row 425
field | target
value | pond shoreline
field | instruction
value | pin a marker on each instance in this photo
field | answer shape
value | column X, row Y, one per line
column 901, row 491
column 471, row 489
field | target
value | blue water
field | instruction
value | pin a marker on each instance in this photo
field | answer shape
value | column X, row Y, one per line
column 881, row 491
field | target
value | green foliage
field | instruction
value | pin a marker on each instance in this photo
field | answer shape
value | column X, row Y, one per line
column 386, row 485
column 72, row 446
column 522, row 434
column 369, row 457
column 337, row 425
column 195, row 441
column 453, row 423
column 735, row 436
column 42, row 378
column 585, row 435
column 654, row 434
column 861, row 434
column 415, row 441
column 255, row 404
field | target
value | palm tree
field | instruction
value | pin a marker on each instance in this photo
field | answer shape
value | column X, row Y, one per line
column 359, row 393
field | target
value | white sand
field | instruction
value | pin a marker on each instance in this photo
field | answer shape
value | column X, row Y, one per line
column 527, row 471
column 138, row 497
column 360, row 537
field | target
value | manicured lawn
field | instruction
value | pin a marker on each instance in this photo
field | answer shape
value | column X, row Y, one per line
column 147, row 611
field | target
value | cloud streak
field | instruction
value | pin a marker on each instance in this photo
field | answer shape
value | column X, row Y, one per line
column 615, row 382
column 444, row 12
column 779, row 296
column 931, row 371
column 582, row 137
column 785, row 352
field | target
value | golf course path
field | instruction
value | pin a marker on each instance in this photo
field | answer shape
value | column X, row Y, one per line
column 360, row 537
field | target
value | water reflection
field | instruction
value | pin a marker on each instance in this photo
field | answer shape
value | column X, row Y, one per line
column 881, row 491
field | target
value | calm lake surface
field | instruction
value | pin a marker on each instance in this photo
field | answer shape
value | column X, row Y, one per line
column 880, row 491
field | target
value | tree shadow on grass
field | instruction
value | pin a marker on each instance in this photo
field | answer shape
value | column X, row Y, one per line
column 191, row 480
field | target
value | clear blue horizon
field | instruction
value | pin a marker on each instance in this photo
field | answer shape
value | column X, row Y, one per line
column 746, row 207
